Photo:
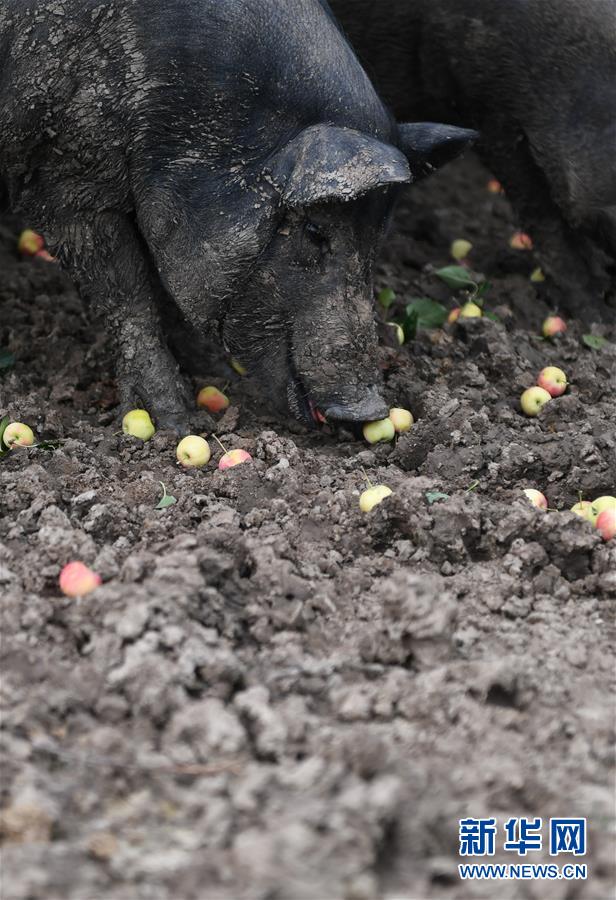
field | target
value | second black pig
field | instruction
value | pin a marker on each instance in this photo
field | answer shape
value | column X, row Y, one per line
column 537, row 78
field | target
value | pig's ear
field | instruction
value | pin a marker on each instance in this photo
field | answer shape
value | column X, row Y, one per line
column 326, row 162
column 429, row 146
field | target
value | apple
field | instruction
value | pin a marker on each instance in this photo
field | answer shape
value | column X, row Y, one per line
column 77, row 580
column 553, row 325
column 454, row 315
column 138, row 423
column 30, row 242
column 460, row 249
column 212, row 399
column 16, row 434
column 537, row 276
column 376, row 432
column 536, row 498
column 470, row 310
column 553, row 380
column 238, row 367
column 402, row 419
column 533, row 400
column 193, row 452
column 373, row 496
column 521, row 241
column 606, row 524
column 495, row 187
column 600, row 505
column 583, row 509
column 233, row 458
column 399, row 332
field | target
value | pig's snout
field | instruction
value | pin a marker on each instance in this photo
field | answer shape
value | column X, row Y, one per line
column 369, row 408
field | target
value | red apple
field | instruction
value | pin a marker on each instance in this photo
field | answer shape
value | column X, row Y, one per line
column 212, row 399
column 521, row 241
column 233, row 458
column 16, row 434
column 553, row 325
column 536, row 498
column 77, row 580
column 606, row 524
column 553, row 380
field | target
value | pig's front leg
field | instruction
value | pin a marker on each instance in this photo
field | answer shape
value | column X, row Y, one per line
column 108, row 258
column 575, row 282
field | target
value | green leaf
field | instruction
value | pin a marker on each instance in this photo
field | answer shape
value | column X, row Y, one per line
column 456, row 278
column 430, row 314
column 410, row 324
column 483, row 289
column 492, row 316
column 166, row 501
column 433, row 496
column 386, row 297
column 7, row 360
column 594, row 341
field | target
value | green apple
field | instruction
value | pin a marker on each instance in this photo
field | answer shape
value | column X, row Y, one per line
column 16, row 434
column 377, row 432
column 138, row 423
column 533, row 400
column 598, row 506
column 193, row 452
column 460, row 249
column 373, row 496
column 470, row 310
column 583, row 509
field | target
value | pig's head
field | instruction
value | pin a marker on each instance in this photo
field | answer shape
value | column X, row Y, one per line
column 288, row 274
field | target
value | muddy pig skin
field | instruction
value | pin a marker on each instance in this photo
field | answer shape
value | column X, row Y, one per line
column 228, row 156
column 537, row 78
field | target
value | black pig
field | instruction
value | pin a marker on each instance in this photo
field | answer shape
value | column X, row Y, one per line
column 537, row 78
column 230, row 156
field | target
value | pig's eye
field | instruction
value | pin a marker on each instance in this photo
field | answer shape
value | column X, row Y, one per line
column 317, row 237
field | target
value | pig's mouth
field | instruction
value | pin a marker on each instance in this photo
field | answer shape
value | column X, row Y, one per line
column 300, row 402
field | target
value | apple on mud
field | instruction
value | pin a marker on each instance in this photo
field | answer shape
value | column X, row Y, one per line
column 373, row 496
column 533, row 400
column 460, row 249
column 536, row 498
column 399, row 331
column 606, row 524
column 454, row 315
column 193, row 452
column 553, row 325
column 380, row 431
column 77, row 580
column 470, row 310
column 553, row 380
column 495, row 187
column 521, row 241
column 212, row 399
column 601, row 504
column 16, row 434
column 138, row 424
column 233, row 458
column 402, row 419
column 583, row 509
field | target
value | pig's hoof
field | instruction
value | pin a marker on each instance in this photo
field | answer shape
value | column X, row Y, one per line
column 177, row 422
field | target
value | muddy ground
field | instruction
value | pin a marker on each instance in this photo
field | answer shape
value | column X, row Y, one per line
column 273, row 696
